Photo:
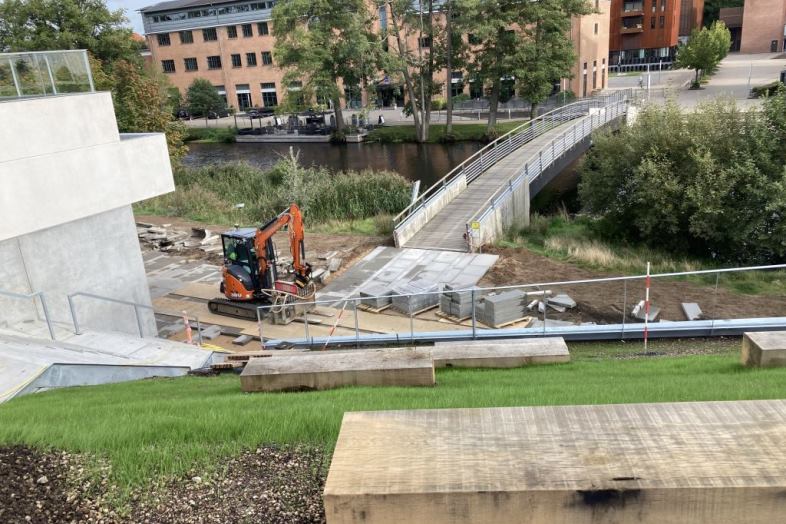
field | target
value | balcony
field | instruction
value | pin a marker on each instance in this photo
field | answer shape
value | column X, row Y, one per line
column 632, row 30
column 635, row 12
column 44, row 73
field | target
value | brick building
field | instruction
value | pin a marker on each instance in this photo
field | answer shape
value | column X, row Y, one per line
column 763, row 26
column 230, row 43
column 643, row 32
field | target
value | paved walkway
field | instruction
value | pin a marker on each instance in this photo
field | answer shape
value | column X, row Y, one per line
column 446, row 230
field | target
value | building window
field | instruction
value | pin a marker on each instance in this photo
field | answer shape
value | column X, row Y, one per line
column 251, row 59
column 209, row 34
column 186, row 37
column 168, row 66
column 191, row 64
column 652, row 22
column 243, row 96
column 662, row 21
column 596, row 28
column 267, row 58
column 236, row 61
column 383, row 18
column 232, row 31
column 263, row 29
column 247, row 30
column 662, row 5
column 424, row 42
column 269, row 98
column 654, row 5
column 214, row 62
column 163, row 39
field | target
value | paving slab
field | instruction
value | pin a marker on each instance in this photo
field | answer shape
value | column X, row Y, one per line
column 764, row 349
column 490, row 354
column 697, row 462
column 391, row 367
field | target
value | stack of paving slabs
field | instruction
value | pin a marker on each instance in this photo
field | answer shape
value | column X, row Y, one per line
column 415, row 301
column 457, row 301
column 502, row 308
column 375, row 296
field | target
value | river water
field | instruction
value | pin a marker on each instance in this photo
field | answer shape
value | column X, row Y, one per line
column 425, row 162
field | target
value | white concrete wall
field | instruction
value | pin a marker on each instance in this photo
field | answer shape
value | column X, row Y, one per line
column 65, row 161
column 98, row 254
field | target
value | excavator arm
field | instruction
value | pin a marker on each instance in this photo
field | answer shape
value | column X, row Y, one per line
column 294, row 219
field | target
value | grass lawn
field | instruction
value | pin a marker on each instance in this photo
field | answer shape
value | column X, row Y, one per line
column 170, row 426
column 461, row 132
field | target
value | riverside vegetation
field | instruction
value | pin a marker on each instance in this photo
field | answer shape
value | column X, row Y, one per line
column 346, row 202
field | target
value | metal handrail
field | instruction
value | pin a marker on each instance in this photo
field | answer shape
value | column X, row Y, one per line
column 488, row 204
column 40, row 296
column 135, row 305
column 478, row 155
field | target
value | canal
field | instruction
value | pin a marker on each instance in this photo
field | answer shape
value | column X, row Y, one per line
column 425, row 162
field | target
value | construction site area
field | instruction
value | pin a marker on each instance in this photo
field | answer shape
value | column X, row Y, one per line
column 158, row 370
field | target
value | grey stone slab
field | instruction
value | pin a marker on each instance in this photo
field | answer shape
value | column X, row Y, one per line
column 692, row 311
column 764, row 349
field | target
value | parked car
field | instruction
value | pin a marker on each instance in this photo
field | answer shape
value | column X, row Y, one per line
column 259, row 112
column 221, row 113
column 182, row 113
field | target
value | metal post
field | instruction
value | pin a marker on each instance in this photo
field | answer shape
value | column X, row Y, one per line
column 199, row 331
column 14, row 77
column 51, row 78
column 73, row 314
column 715, row 303
column 411, row 321
column 473, row 315
column 545, row 309
column 138, row 322
column 89, row 72
column 305, row 322
column 357, row 328
column 259, row 326
column 46, row 315
column 624, row 305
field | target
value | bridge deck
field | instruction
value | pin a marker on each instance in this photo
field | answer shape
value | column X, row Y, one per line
column 446, row 230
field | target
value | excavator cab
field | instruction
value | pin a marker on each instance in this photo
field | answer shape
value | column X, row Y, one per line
column 241, row 268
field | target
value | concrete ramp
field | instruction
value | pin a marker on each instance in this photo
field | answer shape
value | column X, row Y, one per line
column 500, row 354
column 698, row 462
column 327, row 370
column 28, row 365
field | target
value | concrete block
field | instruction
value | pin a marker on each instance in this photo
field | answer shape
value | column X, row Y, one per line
column 502, row 354
column 211, row 332
column 764, row 349
column 638, row 312
column 562, row 300
column 242, row 340
column 383, row 367
column 334, row 264
column 375, row 295
column 711, row 463
column 692, row 311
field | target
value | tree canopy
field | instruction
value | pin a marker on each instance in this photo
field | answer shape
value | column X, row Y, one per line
column 202, row 98
column 36, row 25
column 711, row 183
column 704, row 50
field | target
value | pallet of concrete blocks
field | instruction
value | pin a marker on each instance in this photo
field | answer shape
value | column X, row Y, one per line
column 414, row 297
column 499, row 309
column 456, row 301
column 375, row 296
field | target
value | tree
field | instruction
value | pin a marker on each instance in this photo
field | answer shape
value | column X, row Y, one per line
column 712, row 9
column 547, row 52
column 202, row 98
column 324, row 44
column 709, row 183
column 142, row 105
column 704, row 50
column 34, row 25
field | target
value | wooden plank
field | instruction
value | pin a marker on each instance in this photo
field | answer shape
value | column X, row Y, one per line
column 399, row 367
column 455, row 320
column 697, row 462
column 489, row 354
column 528, row 321
column 764, row 349
column 366, row 307
column 199, row 290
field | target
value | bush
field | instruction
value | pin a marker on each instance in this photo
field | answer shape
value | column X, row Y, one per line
column 766, row 90
column 224, row 135
column 709, row 184
column 210, row 193
column 438, row 104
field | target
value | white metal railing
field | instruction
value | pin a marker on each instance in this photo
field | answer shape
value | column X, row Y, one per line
column 33, row 296
column 445, row 189
column 44, row 73
column 536, row 166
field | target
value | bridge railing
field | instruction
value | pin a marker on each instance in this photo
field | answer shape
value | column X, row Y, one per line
column 433, row 200
column 512, row 199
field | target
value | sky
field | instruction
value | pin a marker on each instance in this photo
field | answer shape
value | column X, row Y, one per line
column 131, row 7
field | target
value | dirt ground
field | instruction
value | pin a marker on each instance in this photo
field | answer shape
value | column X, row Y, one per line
column 603, row 303
column 270, row 485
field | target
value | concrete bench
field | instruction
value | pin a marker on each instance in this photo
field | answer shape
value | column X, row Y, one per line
column 697, row 462
column 500, row 354
column 764, row 349
column 378, row 367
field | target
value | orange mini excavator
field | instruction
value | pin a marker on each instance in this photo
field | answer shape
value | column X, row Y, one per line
column 250, row 273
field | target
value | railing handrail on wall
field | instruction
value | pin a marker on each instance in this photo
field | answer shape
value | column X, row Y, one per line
column 32, row 296
column 507, row 187
column 537, row 124
column 49, row 73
